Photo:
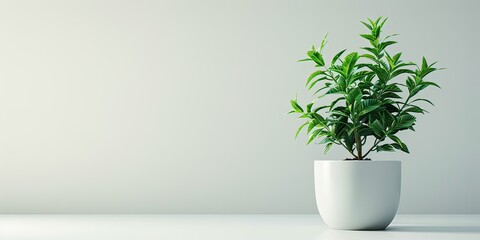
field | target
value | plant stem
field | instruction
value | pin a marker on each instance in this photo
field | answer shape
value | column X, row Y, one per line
column 358, row 143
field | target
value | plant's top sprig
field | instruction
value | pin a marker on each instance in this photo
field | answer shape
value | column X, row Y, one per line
column 369, row 102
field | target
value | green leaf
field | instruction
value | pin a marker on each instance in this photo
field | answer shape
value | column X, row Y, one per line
column 384, row 148
column 385, row 66
column 318, row 117
column 397, row 140
column 372, row 50
column 424, row 83
column 326, row 140
column 339, row 113
column 384, row 45
column 339, row 71
column 296, row 107
column 387, row 117
column 324, row 42
column 314, row 82
column 316, row 57
column 391, row 63
column 369, row 56
column 391, row 95
column 304, row 116
column 327, row 85
column 365, row 131
column 401, row 71
column 311, row 125
column 337, row 56
column 380, row 128
column 404, row 121
column 342, row 84
column 401, row 65
column 382, row 74
column 368, row 37
column 390, row 36
column 333, row 90
column 313, row 135
column 415, row 109
column 340, row 125
column 349, row 63
column 309, row 106
column 305, row 60
column 374, row 24
column 300, row 129
column 352, row 129
column 396, row 57
column 335, row 102
column 367, row 25
column 368, row 105
column 320, row 108
column 377, row 128
column 425, row 72
column 354, row 95
column 366, row 84
column 380, row 26
column 424, row 63
column 327, row 148
column 423, row 99
column 392, row 88
column 410, row 84
column 313, row 75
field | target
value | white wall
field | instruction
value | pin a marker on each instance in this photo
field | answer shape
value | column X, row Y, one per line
column 178, row 106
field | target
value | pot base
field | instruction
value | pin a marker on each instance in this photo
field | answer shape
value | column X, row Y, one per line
column 357, row 195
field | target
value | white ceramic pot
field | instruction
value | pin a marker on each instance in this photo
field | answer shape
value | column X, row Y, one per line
column 357, row 195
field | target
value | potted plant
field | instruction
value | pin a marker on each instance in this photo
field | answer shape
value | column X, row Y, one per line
column 373, row 96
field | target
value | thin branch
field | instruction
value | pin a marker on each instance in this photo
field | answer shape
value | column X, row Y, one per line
column 373, row 146
column 364, row 140
column 345, row 146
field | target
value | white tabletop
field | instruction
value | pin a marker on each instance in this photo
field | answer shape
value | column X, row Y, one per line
column 226, row 227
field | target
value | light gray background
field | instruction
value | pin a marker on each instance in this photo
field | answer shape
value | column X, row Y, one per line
column 178, row 106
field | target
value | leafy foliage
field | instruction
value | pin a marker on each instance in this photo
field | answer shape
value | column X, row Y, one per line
column 370, row 102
